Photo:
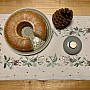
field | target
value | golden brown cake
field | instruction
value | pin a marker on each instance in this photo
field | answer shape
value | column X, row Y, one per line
column 19, row 20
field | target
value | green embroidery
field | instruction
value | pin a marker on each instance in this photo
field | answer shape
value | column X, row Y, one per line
column 1, row 30
column 50, row 61
column 72, row 31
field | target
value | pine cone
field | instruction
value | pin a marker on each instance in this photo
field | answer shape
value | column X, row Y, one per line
column 62, row 18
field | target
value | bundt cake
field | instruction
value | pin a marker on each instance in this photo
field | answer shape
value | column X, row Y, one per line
column 16, row 22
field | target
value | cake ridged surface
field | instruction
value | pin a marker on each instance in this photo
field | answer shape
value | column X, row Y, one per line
column 13, row 28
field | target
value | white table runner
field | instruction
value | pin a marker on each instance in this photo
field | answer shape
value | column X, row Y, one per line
column 52, row 62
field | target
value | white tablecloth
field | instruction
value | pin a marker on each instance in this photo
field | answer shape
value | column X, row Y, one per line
column 53, row 62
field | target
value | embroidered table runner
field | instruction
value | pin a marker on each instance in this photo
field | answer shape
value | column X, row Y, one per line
column 53, row 62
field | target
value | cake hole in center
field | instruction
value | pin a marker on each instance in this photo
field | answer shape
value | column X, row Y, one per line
column 25, row 29
column 73, row 44
column 27, row 32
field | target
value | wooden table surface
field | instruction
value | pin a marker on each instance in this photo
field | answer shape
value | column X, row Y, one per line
column 80, row 7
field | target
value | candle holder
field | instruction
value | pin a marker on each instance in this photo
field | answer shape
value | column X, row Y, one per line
column 72, row 45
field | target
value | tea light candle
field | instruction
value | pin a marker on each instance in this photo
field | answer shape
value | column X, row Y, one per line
column 73, row 44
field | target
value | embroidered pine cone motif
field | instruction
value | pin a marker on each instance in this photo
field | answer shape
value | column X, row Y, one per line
column 62, row 18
